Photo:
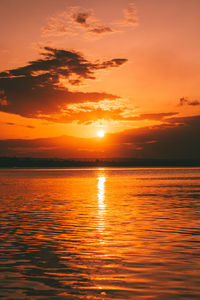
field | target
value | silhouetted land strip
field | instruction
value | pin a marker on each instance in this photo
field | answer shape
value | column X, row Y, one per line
column 28, row 162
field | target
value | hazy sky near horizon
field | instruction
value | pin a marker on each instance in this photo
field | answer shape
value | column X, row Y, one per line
column 74, row 67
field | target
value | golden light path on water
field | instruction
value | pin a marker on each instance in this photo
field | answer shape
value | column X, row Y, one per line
column 101, row 203
column 101, row 209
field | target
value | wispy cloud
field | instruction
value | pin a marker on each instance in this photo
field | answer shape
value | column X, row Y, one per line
column 79, row 21
column 21, row 125
column 185, row 101
column 131, row 16
column 75, row 21
column 117, row 110
column 101, row 29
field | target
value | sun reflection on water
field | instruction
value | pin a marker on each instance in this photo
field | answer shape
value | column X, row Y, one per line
column 101, row 203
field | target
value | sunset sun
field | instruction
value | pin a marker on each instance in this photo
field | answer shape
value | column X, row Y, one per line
column 100, row 133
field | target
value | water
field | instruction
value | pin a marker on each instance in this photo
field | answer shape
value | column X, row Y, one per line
column 100, row 234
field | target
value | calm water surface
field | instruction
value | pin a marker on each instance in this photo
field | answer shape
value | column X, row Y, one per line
column 100, row 234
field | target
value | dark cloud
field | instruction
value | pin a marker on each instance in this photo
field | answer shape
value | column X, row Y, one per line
column 10, row 123
column 101, row 29
column 185, row 101
column 81, row 18
column 154, row 116
column 59, row 63
column 14, row 124
column 116, row 62
column 175, row 139
column 35, row 90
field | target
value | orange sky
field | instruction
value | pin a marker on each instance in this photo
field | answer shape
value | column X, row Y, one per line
column 75, row 68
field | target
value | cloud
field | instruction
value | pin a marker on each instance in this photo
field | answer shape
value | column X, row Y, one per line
column 129, row 20
column 101, row 29
column 35, row 90
column 87, row 20
column 10, row 123
column 79, row 21
column 81, row 18
column 130, row 13
column 89, row 114
column 76, row 21
column 175, row 140
column 21, row 125
column 60, row 63
column 118, row 110
column 185, row 101
column 154, row 116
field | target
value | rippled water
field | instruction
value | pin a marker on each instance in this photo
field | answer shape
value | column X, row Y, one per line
column 100, row 234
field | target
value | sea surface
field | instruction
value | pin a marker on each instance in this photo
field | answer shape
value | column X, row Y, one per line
column 113, row 233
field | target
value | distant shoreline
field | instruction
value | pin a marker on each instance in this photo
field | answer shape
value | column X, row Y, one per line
column 28, row 162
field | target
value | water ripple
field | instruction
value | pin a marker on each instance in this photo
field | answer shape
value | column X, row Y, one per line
column 100, row 234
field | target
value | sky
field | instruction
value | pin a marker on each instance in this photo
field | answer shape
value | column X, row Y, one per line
column 69, row 69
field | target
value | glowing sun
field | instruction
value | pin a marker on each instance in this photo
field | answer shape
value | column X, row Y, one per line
column 100, row 133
